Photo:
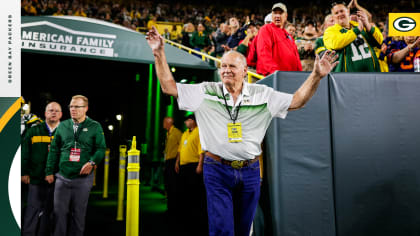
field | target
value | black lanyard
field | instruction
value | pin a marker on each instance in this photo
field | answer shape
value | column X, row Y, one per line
column 76, row 132
column 227, row 108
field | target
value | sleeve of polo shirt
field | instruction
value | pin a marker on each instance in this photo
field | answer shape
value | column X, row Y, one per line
column 190, row 96
column 278, row 103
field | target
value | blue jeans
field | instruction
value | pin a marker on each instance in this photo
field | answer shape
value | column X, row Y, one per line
column 232, row 197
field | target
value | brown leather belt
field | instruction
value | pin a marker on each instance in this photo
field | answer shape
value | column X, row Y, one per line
column 234, row 164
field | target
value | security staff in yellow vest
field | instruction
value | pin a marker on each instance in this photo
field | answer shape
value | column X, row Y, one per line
column 35, row 148
column 189, row 165
column 173, row 137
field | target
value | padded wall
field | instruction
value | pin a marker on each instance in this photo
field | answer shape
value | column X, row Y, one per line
column 298, row 156
column 376, row 151
column 349, row 162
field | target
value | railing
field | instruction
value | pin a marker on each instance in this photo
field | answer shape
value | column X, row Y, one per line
column 205, row 56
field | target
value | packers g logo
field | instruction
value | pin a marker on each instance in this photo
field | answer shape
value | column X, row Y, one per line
column 404, row 24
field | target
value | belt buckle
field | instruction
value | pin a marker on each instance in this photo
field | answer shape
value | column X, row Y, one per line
column 237, row 164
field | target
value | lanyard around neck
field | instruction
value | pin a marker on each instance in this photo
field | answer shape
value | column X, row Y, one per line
column 229, row 112
column 77, row 127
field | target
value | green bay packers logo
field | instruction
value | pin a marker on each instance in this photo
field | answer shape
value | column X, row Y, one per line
column 404, row 24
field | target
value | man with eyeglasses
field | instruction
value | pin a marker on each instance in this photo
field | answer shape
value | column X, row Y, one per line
column 35, row 148
column 79, row 144
column 353, row 41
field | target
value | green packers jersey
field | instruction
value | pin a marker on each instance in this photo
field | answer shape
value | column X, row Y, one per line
column 354, row 47
column 319, row 45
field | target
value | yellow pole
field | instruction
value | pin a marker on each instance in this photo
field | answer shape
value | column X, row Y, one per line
column 133, row 184
column 249, row 78
column 106, row 173
column 121, row 180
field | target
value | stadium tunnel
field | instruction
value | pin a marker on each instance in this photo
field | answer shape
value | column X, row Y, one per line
column 111, row 65
column 114, row 67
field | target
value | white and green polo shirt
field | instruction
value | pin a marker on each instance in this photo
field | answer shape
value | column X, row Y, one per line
column 258, row 105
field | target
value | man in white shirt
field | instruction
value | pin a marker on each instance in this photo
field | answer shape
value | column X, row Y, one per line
column 233, row 117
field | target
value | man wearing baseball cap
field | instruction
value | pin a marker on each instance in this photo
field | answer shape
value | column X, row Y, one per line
column 276, row 49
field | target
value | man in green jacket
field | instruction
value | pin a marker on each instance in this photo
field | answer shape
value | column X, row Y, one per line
column 79, row 144
column 200, row 40
column 35, row 147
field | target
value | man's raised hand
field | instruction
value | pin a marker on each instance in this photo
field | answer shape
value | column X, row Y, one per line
column 155, row 40
column 324, row 65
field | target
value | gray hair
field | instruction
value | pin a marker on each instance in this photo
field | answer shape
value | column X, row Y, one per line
column 242, row 58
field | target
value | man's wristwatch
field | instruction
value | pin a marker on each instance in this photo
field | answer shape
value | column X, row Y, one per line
column 92, row 163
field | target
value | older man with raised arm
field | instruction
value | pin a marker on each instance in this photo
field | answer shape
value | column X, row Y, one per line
column 233, row 117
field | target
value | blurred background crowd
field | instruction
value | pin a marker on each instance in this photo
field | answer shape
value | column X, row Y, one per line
column 213, row 27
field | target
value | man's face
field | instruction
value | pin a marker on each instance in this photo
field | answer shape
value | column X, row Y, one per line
column 310, row 31
column 53, row 112
column 189, row 123
column 252, row 30
column 291, row 30
column 167, row 123
column 233, row 22
column 78, row 109
column 232, row 70
column 279, row 17
column 340, row 15
column 200, row 28
column 409, row 39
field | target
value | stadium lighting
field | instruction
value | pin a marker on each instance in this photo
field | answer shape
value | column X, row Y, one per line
column 110, row 127
column 183, row 81
column 119, row 117
column 173, row 69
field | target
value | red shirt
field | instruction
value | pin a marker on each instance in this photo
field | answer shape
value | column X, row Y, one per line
column 276, row 50
column 251, row 57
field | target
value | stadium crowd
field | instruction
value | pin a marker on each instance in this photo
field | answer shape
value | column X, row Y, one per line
column 222, row 26
column 277, row 37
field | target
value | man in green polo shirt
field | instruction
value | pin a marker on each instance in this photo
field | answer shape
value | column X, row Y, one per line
column 79, row 144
